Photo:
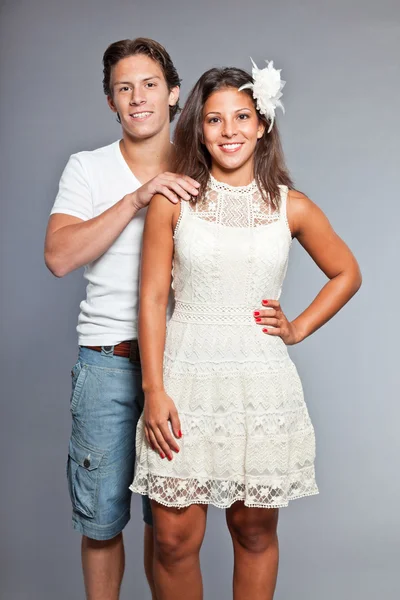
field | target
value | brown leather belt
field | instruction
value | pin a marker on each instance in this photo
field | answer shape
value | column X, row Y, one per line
column 128, row 349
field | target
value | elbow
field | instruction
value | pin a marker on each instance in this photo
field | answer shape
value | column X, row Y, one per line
column 355, row 279
column 55, row 266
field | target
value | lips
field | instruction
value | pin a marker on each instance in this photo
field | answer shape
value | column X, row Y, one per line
column 141, row 116
column 230, row 148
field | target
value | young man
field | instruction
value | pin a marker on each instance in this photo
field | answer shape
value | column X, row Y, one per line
column 97, row 222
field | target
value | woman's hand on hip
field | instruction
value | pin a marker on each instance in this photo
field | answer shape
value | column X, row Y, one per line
column 159, row 410
column 273, row 321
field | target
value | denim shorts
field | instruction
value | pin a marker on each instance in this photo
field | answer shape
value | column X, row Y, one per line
column 106, row 403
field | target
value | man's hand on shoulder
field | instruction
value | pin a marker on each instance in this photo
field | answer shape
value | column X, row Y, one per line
column 171, row 185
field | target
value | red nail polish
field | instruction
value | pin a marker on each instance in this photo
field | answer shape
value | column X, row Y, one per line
column 169, row 457
column 265, row 330
column 152, row 447
column 256, row 313
column 265, row 301
column 162, row 455
column 180, row 433
column 258, row 319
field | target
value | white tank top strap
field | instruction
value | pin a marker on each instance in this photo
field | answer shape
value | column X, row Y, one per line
column 183, row 209
column 283, row 206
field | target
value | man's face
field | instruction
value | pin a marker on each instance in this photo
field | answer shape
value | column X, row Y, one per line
column 140, row 96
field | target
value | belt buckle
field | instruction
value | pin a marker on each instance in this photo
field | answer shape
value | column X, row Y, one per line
column 134, row 355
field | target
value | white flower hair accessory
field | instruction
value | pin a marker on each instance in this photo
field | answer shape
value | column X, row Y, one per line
column 267, row 90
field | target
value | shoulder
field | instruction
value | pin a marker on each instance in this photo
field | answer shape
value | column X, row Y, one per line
column 300, row 210
column 89, row 159
column 298, row 200
column 298, row 203
column 98, row 153
column 163, row 209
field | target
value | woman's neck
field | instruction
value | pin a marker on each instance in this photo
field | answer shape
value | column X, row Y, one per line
column 236, row 177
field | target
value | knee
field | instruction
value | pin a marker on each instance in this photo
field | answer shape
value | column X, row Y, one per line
column 92, row 544
column 174, row 546
column 255, row 540
column 254, row 537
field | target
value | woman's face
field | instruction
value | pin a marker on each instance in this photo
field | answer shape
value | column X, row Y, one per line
column 231, row 128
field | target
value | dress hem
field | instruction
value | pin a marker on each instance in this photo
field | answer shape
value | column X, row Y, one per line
column 143, row 492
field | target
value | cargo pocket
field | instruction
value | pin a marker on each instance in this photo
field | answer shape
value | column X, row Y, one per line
column 83, row 478
column 78, row 375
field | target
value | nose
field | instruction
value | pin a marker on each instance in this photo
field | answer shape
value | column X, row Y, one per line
column 228, row 129
column 137, row 97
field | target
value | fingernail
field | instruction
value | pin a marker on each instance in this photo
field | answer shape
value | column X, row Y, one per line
column 258, row 319
column 265, row 301
column 265, row 330
column 162, row 455
column 197, row 184
column 180, row 433
column 256, row 313
column 169, row 457
column 152, row 447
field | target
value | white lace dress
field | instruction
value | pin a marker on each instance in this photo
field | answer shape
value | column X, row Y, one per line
column 246, row 430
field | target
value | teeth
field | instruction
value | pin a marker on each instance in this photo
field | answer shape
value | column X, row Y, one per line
column 231, row 146
column 140, row 115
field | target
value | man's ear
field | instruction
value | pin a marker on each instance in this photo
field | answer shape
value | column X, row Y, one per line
column 174, row 96
column 111, row 104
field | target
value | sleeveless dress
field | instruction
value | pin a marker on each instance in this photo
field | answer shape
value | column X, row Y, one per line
column 247, row 434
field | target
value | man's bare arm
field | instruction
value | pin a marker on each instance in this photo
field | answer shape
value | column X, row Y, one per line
column 72, row 243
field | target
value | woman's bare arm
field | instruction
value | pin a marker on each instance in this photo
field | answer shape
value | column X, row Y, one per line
column 155, row 284
column 314, row 232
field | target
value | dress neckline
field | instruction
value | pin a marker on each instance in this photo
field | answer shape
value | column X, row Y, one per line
column 220, row 186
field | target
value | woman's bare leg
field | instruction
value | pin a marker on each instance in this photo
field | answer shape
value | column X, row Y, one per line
column 149, row 558
column 255, row 545
column 178, row 535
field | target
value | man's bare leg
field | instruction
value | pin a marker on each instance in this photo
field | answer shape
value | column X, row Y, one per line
column 103, row 565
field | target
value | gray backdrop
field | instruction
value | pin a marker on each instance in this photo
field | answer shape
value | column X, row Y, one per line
column 341, row 137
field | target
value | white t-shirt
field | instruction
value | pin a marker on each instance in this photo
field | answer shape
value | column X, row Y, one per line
column 91, row 183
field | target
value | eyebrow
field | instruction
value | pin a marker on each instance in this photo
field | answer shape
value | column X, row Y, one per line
column 215, row 112
column 130, row 83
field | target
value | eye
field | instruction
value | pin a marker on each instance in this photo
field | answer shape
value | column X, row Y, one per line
column 124, row 89
column 213, row 120
column 150, row 84
column 244, row 116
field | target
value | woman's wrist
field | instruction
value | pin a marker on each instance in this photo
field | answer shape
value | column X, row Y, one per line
column 299, row 332
column 152, row 389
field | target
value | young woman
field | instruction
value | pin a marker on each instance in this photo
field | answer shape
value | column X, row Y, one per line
column 225, row 422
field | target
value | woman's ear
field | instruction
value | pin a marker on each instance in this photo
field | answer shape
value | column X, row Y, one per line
column 260, row 129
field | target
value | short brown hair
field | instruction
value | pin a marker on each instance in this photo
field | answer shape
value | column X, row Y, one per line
column 124, row 48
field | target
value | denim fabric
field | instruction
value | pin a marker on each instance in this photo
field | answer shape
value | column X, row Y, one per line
column 106, row 403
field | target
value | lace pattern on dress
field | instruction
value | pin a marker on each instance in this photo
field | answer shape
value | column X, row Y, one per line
column 247, row 434
column 232, row 206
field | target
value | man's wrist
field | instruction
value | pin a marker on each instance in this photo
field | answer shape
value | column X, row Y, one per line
column 132, row 199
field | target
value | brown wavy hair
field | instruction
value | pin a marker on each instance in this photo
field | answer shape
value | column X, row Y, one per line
column 192, row 157
column 124, row 48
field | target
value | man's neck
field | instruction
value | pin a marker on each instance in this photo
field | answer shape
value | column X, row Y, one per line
column 147, row 158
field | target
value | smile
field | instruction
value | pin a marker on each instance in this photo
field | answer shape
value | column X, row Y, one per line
column 140, row 115
column 231, row 147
